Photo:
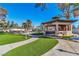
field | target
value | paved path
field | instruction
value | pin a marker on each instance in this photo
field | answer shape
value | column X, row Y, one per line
column 6, row 48
column 64, row 48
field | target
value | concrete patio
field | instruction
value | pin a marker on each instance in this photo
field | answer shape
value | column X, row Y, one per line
column 64, row 48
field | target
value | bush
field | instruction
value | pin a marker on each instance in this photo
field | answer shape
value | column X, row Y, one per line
column 67, row 37
column 37, row 34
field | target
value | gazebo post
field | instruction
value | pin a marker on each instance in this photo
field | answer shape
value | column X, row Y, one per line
column 67, row 29
column 71, row 28
column 56, row 29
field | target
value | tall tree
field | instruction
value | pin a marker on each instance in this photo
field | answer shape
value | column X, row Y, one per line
column 8, row 24
column 24, row 25
column 67, row 9
column 14, row 25
column 27, row 25
column 3, row 23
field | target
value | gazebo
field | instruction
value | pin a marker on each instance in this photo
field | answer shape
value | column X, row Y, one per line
column 59, row 27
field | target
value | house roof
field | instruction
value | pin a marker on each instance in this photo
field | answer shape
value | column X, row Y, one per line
column 58, row 20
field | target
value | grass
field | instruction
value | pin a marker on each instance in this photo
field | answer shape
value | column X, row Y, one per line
column 7, row 38
column 36, row 48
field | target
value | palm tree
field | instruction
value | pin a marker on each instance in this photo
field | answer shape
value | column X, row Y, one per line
column 14, row 25
column 24, row 25
column 27, row 25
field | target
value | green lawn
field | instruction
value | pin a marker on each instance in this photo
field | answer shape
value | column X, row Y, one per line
column 35, row 48
column 6, row 38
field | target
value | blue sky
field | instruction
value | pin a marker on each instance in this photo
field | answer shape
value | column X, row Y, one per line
column 20, row 12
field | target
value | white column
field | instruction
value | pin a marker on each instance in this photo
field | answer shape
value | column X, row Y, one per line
column 56, row 29
column 71, row 28
column 67, row 29
column 44, row 28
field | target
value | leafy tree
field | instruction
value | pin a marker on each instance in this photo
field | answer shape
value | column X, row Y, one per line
column 67, row 9
column 3, row 23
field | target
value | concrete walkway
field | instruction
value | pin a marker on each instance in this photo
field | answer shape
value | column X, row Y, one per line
column 8, row 47
column 64, row 48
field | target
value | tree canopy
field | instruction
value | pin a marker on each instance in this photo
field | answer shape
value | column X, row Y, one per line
column 66, row 8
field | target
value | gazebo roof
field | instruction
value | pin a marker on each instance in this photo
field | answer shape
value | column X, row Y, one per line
column 58, row 20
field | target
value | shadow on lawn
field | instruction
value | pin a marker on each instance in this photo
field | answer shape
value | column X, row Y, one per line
column 67, row 51
column 40, row 36
column 68, row 40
